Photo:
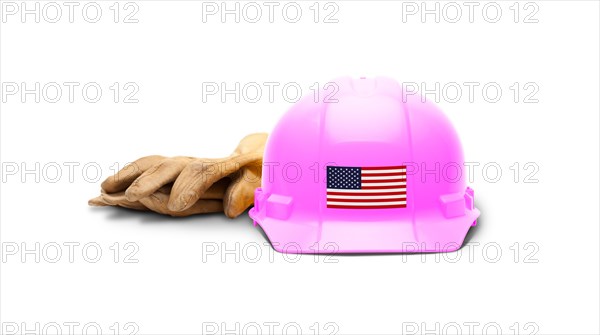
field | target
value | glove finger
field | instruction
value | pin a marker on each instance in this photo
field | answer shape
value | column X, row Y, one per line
column 155, row 177
column 240, row 193
column 98, row 201
column 122, row 179
column 198, row 176
column 215, row 191
column 119, row 199
column 158, row 202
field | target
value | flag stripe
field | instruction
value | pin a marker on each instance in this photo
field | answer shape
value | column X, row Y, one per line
column 375, row 198
column 375, row 190
column 380, row 181
column 383, row 177
column 379, row 187
column 365, row 207
column 369, row 193
column 384, row 168
column 378, row 203
column 377, row 174
column 384, row 171
column 371, row 185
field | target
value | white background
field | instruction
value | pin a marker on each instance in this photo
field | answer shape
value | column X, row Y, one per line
column 547, row 282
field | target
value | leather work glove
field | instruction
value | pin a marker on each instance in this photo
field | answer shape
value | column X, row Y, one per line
column 183, row 186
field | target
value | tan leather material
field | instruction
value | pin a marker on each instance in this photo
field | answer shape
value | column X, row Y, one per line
column 164, row 172
column 157, row 202
column 240, row 193
column 116, row 199
column 183, row 186
column 123, row 179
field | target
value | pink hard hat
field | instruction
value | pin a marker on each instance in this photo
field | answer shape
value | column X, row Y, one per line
column 365, row 168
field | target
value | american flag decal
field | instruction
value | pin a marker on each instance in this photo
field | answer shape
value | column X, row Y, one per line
column 366, row 187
